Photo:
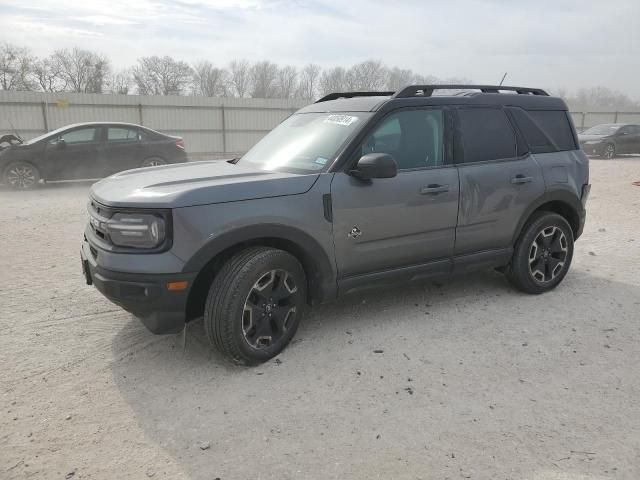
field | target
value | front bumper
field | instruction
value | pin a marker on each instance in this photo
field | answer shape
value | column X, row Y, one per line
column 144, row 295
column 597, row 149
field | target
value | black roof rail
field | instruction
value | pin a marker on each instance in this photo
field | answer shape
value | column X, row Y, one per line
column 427, row 90
column 336, row 95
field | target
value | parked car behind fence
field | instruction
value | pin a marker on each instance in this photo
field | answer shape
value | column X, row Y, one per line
column 610, row 139
column 87, row 150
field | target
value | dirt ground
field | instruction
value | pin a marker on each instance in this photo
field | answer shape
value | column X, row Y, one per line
column 475, row 380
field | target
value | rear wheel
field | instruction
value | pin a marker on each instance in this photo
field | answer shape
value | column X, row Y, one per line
column 153, row 162
column 543, row 253
column 255, row 304
column 21, row 176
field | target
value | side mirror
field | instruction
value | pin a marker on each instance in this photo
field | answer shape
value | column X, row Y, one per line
column 61, row 144
column 375, row 165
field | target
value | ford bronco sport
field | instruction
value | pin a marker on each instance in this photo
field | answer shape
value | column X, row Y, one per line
column 356, row 190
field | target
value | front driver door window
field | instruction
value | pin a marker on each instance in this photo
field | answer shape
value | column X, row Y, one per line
column 413, row 137
column 72, row 154
column 402, row 221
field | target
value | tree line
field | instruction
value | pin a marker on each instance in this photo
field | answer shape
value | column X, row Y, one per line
column 85, row 71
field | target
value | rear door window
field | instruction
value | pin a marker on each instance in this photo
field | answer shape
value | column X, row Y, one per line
column 118, row 134
column 487, row 134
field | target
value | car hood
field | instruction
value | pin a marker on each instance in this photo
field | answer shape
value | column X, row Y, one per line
column 196, row 183
column 586, row 138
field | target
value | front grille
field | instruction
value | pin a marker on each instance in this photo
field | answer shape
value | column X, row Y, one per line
column 98, row 215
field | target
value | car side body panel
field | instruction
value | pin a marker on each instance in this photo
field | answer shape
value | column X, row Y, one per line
column 202, row 232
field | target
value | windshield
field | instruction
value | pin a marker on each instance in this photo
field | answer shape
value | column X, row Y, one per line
column 305, row 142
column 607, row 129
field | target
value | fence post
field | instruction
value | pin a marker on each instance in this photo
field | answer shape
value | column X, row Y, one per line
column 615, row 117
column 140, row 119
column 224, row 131
column 45, row 118
column 584, row 114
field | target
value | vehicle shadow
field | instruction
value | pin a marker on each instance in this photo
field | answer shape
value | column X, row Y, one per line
column 391, row 382
column 47, row 186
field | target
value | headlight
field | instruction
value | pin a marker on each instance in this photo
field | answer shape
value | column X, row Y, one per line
column 138, row 230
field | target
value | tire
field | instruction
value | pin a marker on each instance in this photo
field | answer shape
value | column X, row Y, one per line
column 238, row 318
column 152, row 162
column 609, row 151
column 540, row 268
column 21, row 176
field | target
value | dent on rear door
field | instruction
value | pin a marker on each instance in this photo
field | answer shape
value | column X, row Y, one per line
column 491, row 204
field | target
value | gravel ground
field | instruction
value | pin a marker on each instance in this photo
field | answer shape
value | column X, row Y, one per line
column 474, row 380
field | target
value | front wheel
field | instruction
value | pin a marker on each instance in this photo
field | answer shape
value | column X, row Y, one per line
column 542, row 254
column 255, row 304
column 609, row 151
column 21, row 176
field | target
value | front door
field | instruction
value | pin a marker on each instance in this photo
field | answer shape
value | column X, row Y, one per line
column 72, row 154
column 382, row 225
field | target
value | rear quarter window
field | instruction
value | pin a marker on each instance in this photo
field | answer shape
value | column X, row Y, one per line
column 555, row 124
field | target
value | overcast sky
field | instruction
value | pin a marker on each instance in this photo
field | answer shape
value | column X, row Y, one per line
column 547, row 43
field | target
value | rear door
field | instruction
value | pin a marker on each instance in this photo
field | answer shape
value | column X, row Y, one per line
column 635, row 146
column 628, row 139
column 73, row 154
column 498, row 180
column 382, row 225
column 122, row 150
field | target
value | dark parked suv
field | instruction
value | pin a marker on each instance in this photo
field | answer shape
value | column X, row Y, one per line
column 354, row 191
column 86, row 150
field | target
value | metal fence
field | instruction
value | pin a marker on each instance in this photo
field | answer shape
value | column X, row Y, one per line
column 211, row 127
column 584, row 120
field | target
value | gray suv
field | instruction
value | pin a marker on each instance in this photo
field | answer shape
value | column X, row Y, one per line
column 357, row 190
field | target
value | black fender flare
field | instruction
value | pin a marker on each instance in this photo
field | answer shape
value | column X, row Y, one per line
column 322, row 277
column 564, row 196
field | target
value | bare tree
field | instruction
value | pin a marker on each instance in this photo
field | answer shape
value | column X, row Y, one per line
column 16, row 68
column 263, row 79
column 81, row 70
column 240, row 78
column 600, row 99
column 161, row 76
column 210, row 81
column 333, row 80
column 120, row 82
column 47, row 74
column 398, row 78
column 309, row 79
column 368, row 76
column 286, row 82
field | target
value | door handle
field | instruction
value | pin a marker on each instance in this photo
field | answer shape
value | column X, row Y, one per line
column 434, row 189
column 519, row 179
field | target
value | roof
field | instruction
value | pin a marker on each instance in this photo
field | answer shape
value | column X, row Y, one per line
column 84, row 124
column 422, row 95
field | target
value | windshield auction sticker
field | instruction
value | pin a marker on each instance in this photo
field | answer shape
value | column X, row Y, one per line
column 345, row 120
